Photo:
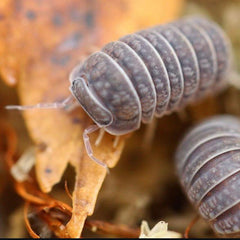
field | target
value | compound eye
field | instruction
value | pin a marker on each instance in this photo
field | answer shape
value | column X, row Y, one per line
column 89, row 102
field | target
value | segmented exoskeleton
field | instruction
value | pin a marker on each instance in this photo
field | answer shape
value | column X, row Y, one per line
column 208, row 165
column 151, row 72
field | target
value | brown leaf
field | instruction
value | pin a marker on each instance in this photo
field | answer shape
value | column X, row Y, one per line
column 89, row 180
column 41, row 42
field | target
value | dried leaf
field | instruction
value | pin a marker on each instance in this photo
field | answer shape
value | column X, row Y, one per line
column 41, row 42
column 160, row 230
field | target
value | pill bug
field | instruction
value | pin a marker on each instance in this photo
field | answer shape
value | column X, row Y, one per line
column 149, row 73
column 208, row 165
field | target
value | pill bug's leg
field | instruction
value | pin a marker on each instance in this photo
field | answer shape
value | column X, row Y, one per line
column 183, row 115
column 100, row 137
column 149, row 134
column 116, row 141
column 88, row 146
column 67, row 104
column 233, row 79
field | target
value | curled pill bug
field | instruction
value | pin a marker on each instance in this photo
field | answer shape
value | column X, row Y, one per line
column 208, row 166
column 149, row 73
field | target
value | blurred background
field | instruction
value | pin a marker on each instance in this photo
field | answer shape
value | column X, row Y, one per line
column 144, row 184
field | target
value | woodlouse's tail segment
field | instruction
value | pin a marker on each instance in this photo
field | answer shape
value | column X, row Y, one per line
column 222, row 46
column 194, row 57
column 213, row 50
column 205, row 53
column 208, row 165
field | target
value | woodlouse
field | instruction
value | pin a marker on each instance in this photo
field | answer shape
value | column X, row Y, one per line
column 151, row 72
column 208, row 165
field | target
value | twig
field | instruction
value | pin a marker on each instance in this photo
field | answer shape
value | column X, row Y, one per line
column 118, row 230
column 28, row 225
column 67, row 190
column 187, row 230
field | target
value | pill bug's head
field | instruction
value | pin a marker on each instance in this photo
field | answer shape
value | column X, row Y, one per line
column 106, row 94
column 87, row 99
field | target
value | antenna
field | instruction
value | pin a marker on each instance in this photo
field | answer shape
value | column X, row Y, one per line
column 68, row 104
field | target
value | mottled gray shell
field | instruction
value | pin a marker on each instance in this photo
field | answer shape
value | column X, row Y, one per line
column 152, row 72
column 208, row 165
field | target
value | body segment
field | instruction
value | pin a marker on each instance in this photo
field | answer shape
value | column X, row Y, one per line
column 208, row 164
